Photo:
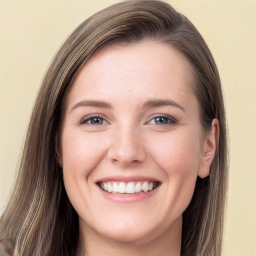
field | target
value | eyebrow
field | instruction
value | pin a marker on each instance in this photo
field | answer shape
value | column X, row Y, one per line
column 159, row 103
column 153, row 103
column 91, row 103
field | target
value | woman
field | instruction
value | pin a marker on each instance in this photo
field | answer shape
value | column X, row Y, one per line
column 126, row 148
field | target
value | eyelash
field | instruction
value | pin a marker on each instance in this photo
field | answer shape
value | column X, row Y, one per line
column 88, row 120
column 168, row 119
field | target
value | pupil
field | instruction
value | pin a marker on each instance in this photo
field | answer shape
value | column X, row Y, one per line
column 161, row 120
column 96, row 120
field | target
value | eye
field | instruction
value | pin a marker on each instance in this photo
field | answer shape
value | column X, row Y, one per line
column 163, row 120
column 94, row 120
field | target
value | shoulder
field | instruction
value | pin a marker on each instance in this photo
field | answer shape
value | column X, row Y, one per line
column 5, row 247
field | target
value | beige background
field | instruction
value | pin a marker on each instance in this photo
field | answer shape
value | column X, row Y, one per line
column 30, row 33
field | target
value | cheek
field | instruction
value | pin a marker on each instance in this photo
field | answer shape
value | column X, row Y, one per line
column 178, row 154
column 179, row 158
column 80, row 156
column 80, row 153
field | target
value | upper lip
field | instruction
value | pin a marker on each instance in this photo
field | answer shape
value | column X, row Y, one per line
column 127, row 179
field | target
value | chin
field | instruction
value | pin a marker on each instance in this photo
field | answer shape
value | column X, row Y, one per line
column 137, row 234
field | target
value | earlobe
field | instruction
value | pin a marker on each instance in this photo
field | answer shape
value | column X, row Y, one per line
column 209, row 149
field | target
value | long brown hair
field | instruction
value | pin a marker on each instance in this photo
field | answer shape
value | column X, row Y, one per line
column 39, row 219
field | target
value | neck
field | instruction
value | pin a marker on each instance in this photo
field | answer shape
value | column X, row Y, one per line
column 92, row 243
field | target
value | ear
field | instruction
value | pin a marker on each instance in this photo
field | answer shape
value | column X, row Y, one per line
column 209, row 148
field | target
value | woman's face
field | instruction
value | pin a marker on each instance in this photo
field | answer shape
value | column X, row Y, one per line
column 132, row 144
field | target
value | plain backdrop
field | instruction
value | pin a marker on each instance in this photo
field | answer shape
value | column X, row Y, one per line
column 31, row 32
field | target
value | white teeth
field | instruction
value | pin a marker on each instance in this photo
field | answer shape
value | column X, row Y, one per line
column 121, row 188
column 145, row 187
column 138, row 187
column 115, row 187
column 110, row 188
column 150, row 186
column 128, row 188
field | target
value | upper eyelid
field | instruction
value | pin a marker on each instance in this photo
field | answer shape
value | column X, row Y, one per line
column 163, row 115
column 88, row 117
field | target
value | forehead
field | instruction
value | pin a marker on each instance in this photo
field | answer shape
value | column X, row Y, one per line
column 148, row 69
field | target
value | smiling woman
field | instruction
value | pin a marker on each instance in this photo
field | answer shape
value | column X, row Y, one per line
column 126, row 148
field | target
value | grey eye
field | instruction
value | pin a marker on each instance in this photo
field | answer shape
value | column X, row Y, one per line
column 161, row 120
column 95, row 120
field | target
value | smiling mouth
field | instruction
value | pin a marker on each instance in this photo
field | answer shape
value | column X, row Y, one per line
column 128, row 187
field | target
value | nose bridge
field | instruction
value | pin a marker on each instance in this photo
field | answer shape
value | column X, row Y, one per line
column 127, row 145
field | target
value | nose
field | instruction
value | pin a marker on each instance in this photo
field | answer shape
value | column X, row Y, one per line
column 127, row 147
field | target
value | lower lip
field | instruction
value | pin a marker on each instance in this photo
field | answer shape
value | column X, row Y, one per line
column 127, row 198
